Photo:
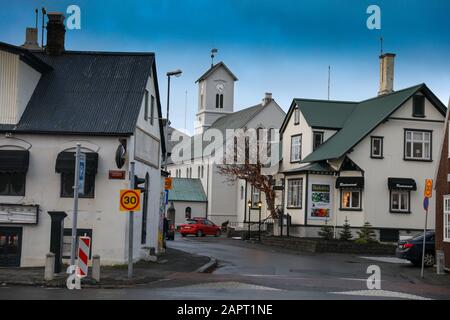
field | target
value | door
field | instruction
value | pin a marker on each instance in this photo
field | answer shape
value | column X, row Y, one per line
column 10, row 246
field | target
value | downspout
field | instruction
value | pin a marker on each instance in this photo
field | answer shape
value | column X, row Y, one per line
column 306, row 198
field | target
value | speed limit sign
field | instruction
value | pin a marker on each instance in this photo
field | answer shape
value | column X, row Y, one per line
column 130, row 200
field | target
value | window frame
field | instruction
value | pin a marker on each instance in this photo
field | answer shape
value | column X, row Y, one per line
column 342, row 208
column 152, row 109
column 400, row 191
column 446, row 217
column 146, row 93
column 321, row 134
column 289, row 193
column 300, row 148
column 296, row 116
column 422, row 105
column 381, row 155
column 12, row 177
column 252, row 194
column 81, row 196
column 405, row 142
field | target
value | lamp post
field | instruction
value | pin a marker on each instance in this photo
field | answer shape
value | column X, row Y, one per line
column 259, row 222
column 177, row 73
column 249, row 205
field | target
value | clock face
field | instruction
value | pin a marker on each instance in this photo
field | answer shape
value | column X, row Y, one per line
column 220, row 87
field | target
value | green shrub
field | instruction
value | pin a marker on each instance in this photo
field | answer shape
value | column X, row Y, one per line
column 346, row 233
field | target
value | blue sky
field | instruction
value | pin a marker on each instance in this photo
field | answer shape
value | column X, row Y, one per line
column 282, row 46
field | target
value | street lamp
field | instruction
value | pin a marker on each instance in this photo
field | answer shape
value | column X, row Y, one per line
column 249, row 205
column 177, row 73
column 259, row 222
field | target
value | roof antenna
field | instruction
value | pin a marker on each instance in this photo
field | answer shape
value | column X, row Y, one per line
column 213, row 54
column 381, row 43
column 329, row 78
column 44, row 12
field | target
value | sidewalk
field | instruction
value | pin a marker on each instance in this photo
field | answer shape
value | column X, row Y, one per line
column 112, row 276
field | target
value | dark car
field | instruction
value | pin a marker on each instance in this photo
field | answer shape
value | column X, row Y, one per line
column 170, row 235
column 411, row 249
column 199, row 227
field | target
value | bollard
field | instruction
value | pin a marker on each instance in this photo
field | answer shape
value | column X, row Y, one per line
column 440, row 262
column 49, row 266
column 96, row 268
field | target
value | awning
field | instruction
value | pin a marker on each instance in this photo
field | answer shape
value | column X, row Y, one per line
column 14, row 161
column 350, row 182
column 402, row 183
column 65, row 162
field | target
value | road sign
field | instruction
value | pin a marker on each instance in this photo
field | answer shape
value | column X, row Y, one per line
column 168, row 184
column 166, row 197
column 428, row 188
column 84, row 245
column 130, row 200
column 426, row 203
column 81, row 173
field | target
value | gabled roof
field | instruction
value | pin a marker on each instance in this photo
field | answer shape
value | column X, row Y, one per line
column 214, row 68
column 190, row 190
column 238, row 119
column 364, row 118
column 26, row 56
column 89, row 93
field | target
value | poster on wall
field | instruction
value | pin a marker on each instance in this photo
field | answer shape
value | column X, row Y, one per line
column 320, row 201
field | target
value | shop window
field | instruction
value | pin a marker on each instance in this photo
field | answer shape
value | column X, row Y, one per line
column 417, row 145
column 350, row 199
column 400, row 201
column 294, row 193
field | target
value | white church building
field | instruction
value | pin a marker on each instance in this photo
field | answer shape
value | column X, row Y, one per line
column 225, row 201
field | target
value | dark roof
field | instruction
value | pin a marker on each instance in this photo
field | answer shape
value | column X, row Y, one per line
column 214, row 68
column 190, row 190
column 365, row 117
column 238, row 119
column 89, row 93
column 317, row 167
column 26, row 56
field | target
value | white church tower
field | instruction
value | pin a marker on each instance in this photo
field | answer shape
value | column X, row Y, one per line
column 215, row 96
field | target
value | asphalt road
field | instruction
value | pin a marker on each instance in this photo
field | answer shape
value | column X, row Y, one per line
column 254, row 272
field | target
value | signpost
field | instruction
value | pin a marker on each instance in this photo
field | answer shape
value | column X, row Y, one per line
column 428, row 192
column 130, row 200
column 78, row 188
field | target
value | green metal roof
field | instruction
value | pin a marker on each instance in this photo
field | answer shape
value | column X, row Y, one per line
column 325, row 113
column 238, row 119
column 316, row 167
column 184, row 189
column 365, row 117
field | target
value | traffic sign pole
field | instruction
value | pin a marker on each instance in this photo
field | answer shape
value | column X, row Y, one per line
column 75, row 206
column 428, row 193
column 130, row 227
column 423, row 248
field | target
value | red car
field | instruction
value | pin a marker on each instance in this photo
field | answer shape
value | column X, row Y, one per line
column 199, row 227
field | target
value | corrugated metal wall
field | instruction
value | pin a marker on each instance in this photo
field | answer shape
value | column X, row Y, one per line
column 8, row 87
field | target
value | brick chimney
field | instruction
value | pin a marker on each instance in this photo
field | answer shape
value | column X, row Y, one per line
column 31, row 39
column 267, row 98
column 55, row 33
column 386, row 73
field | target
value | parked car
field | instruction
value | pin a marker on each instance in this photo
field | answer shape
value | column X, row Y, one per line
column 171, row 230
column 411, row 249
column 199, row 227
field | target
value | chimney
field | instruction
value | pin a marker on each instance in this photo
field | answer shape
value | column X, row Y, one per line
column 31, row 39
column 386, row 73
column 267, row 98
column 55, row 33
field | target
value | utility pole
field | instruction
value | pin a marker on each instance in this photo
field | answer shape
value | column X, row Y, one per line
column 130, row 227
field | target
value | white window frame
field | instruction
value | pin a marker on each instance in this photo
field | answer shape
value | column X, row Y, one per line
column 372, row 145
column 351, row 207
column 296, row 116
column 423, row 140
column 400, row 193
column 446, row 216
column 295, row 157
column 295, row 191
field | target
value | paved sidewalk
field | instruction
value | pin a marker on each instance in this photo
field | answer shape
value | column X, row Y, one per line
column 112, row 276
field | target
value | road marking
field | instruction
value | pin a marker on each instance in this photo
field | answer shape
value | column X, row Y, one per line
column 387, row 259
column 382, row 293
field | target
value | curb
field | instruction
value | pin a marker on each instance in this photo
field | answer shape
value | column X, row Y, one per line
column 208, row 267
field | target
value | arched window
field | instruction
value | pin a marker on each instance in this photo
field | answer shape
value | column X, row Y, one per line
column 217, row 100
column 221, row 101
column 242, row 192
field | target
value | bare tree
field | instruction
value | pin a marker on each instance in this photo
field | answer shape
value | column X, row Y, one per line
column 249, row 168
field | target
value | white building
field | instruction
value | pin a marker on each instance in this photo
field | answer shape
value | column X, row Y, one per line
column 226, row 201
column 366, row 161
column 49, row 101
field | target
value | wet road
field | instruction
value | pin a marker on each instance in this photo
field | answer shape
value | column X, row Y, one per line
column 251, row 271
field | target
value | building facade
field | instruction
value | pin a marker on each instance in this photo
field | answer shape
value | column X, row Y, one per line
column 52, row 100
column 361, row 161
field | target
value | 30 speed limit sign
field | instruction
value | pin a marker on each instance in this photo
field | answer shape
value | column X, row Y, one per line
column 130, row 200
